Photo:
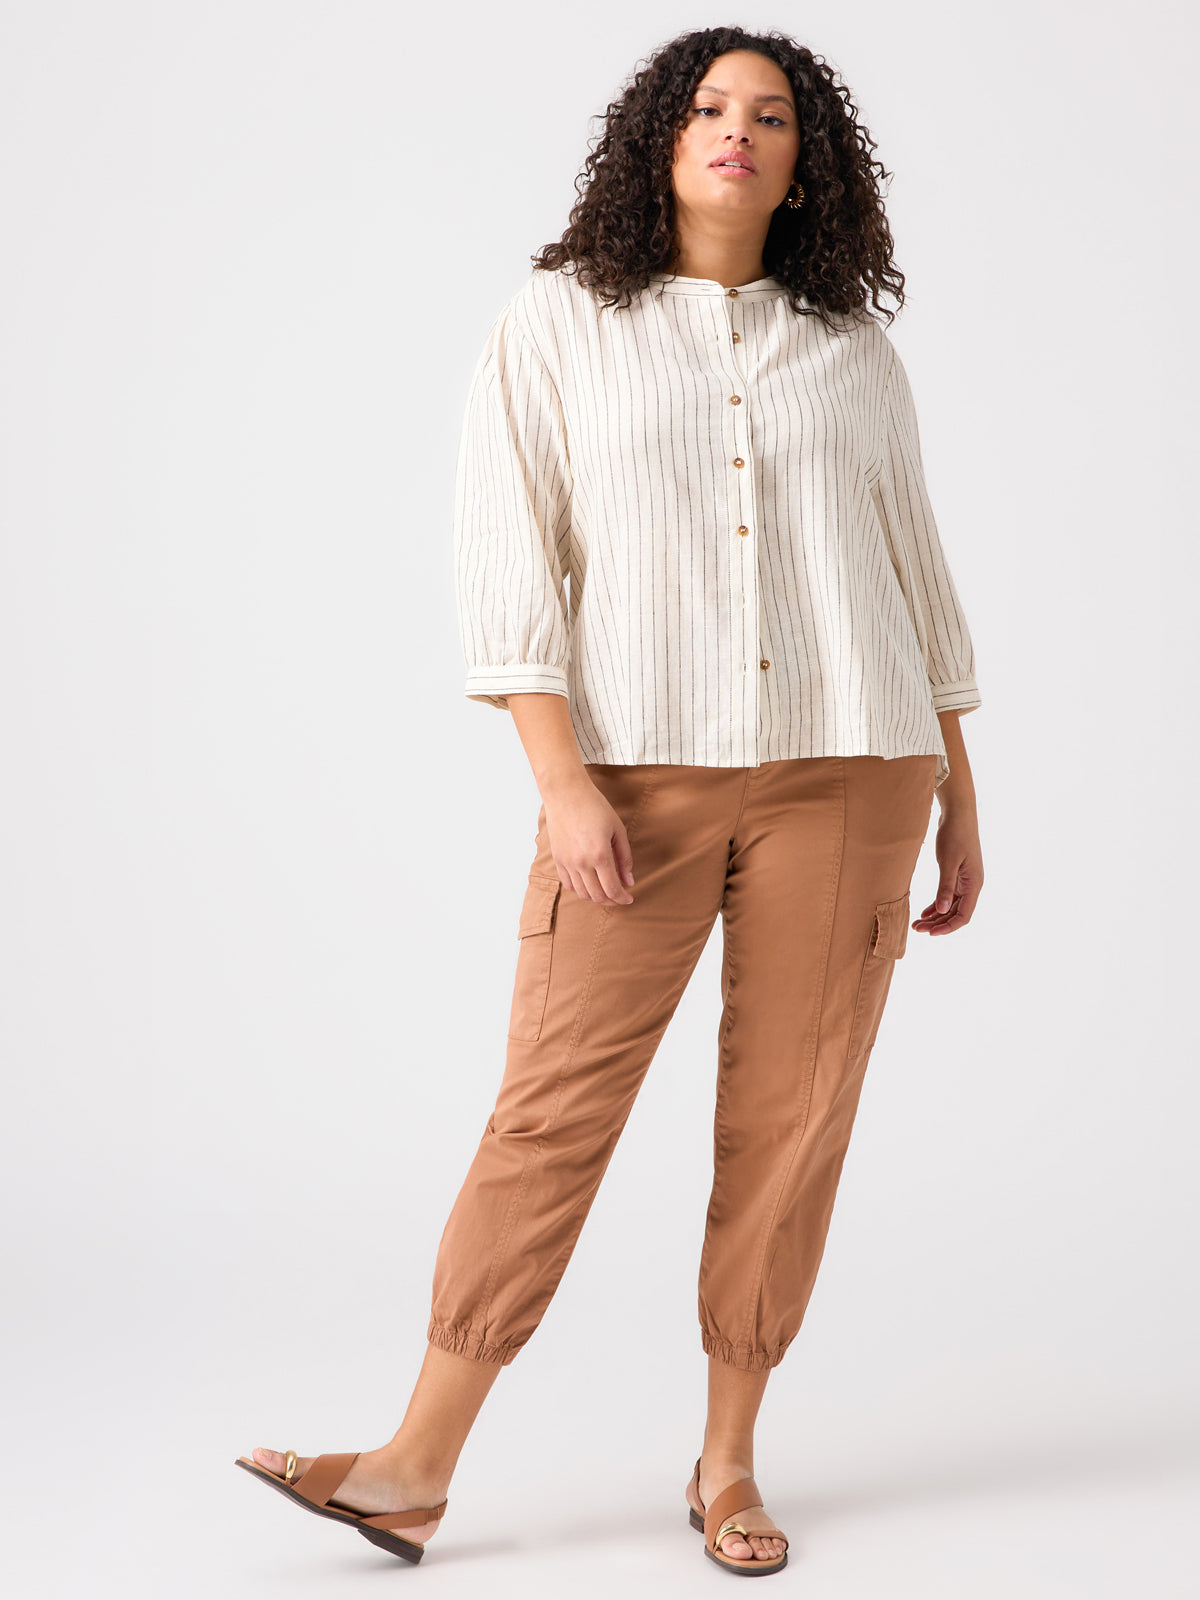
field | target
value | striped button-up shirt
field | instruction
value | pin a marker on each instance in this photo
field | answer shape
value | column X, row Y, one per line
column 704, row 520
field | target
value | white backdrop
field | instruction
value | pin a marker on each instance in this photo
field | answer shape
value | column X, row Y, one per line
column 262, row 858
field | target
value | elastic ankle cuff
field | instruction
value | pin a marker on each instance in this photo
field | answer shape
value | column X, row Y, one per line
column 742, row 1355
column 463, row 1343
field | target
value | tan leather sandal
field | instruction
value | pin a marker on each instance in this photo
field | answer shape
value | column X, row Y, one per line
column 314, row 1491
column 739, row 1500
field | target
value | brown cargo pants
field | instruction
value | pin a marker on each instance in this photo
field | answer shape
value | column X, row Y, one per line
column 809, row 862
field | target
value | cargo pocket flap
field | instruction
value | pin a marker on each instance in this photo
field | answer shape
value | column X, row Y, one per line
column 537, row 911
column 891, row 928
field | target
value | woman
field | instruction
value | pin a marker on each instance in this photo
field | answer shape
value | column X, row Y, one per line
column 697, row 562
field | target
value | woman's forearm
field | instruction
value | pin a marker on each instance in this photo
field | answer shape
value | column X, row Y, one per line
column 544, row 725
column 958, row 791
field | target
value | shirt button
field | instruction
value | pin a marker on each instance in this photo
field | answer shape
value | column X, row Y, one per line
column 737, row 338
column 764, row 664
column 735, row 399
column 732, row 293
column 738, row 462
column 743, row 531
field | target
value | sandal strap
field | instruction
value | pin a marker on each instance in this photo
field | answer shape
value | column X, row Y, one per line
column 739, row 1498
column 324, row 1477
column 327, row 1473
column 405, row 1519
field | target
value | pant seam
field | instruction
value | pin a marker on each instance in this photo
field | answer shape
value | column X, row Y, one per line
column 729, row 1011
column 741, row 804
column 831, row 899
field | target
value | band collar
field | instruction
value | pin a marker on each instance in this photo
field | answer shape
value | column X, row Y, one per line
column 709, row 288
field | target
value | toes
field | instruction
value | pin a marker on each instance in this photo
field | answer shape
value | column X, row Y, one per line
column 735, row 1546
column 271, row 1459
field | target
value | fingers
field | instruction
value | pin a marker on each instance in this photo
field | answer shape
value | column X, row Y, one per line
column 590, row 848
column 956, row 898
column 607, row 882
column 957, row 915
column 960, row 872
column 938, row 912
column 948, row 925
column 623, row 854
column 603, row 885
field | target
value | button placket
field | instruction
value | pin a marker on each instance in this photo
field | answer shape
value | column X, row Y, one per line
column 742, row 504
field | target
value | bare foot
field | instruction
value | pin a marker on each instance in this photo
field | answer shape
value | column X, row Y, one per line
column 712, row 1481
column 375, row 1483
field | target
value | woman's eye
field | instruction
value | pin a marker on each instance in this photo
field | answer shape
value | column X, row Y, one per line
column 769, row 116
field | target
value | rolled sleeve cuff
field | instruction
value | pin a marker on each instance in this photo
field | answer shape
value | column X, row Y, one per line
column 493, row 685
column 961, row 696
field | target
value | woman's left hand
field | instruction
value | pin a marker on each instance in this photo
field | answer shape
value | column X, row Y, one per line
column 960, row 858
column 961, row 862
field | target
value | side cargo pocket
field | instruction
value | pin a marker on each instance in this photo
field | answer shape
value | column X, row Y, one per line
column 889, row 938
column 536, row 934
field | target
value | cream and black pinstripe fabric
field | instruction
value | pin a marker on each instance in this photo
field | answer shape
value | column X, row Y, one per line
column 704, row 520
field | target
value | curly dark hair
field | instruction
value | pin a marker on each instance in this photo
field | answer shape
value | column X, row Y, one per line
column 835, row 249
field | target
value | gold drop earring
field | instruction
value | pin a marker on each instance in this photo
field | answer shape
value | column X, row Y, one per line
column 799, row 200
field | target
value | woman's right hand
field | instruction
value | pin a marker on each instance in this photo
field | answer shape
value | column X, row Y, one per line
column 587, row 838
column 589, row 844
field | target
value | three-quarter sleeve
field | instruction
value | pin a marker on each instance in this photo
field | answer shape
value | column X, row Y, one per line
column 512, row 509
column 906, row 516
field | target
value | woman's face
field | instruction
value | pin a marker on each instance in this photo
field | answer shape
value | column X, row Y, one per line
column 743, row 106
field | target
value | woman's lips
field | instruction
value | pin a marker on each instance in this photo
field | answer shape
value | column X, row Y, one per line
column 741, row 172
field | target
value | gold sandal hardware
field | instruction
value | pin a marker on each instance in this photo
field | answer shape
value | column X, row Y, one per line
column 731, row 1527
column 291, row 1459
